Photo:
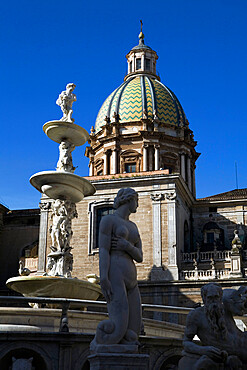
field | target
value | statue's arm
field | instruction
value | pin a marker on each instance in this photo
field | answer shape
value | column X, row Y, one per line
column 135, row 251
column 105, row 230
column 192, row 326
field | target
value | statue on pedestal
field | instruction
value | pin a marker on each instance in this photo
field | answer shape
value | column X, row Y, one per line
column 223, row 344
column 119, row 246
column 60, row 260
column 65, row 101
column 65, row 157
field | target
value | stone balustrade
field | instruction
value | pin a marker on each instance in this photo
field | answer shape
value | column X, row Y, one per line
column 208, row 256
column 204, row 274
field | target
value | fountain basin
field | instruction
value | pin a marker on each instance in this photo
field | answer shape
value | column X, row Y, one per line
column 62, row 185
column 59, row 131
column 54, row 287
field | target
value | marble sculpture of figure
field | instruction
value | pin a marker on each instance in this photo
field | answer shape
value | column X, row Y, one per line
column 223, row 344
column 119, row 246
column 65, row 157
column 63, row 211
column 65, row 101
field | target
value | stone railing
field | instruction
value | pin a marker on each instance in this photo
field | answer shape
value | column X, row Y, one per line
column 207, row 256
column 204, row 274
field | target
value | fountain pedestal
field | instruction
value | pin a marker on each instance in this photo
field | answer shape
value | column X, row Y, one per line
column 118, row 361
column 64, row 189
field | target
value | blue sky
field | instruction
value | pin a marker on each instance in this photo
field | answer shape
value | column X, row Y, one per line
column 46, row 44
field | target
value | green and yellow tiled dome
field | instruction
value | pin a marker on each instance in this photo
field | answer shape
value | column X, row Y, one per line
column 138, row 94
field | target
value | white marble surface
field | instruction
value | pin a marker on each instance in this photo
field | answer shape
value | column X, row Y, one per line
column 61, row 185
column 59, row 131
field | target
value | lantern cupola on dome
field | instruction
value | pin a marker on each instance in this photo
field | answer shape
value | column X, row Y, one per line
column 141, row 59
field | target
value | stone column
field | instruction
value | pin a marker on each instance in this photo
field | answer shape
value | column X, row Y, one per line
column 157, row 252
column 172, row 234
column 189, row 172
column 150, row 159
column 143, row 62
column 145, row 157
column 105, row 164
column 156, row 156
column 194, row 183
column 183, row 166
column 91, row 168
column 114, row 161
column 44, row 211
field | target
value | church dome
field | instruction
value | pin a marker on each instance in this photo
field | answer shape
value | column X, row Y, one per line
column 140, row 96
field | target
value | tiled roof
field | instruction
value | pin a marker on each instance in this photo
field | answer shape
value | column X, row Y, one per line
column 228, row 195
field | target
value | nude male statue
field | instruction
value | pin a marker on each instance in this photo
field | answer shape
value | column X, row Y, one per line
column 223, row 344
column 65, row 101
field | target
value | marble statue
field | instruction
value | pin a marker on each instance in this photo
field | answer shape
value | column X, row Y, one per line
column 60, row 260
column 65, row 101
column 63, row 211
column 65, row 157
column 236, row 242
column 119, row 246
column 223, row 344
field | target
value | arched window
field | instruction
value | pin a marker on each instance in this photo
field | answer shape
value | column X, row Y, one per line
column 169, row 161
column 130, row 161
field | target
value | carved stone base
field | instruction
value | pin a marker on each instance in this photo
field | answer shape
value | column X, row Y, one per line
column 236, row 265
column 118, row 361
column 113, row 348
column 60, row 264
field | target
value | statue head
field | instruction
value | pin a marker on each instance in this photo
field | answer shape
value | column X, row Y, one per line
column 70, row 87
column 126, row 195
column 234, row 301
column 214, row 309
column 211, row 293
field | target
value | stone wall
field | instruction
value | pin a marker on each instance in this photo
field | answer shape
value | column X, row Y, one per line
column 156, row 219
column 20, row 229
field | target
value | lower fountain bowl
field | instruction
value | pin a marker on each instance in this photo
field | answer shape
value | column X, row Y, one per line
column 62, row 185
column 54, row 287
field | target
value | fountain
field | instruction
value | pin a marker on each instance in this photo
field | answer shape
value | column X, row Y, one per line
column 65, row 189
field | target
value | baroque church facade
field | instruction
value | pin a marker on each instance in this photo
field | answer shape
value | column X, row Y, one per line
column 142, row 139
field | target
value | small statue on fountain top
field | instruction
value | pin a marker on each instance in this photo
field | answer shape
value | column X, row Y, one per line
column 65, row 101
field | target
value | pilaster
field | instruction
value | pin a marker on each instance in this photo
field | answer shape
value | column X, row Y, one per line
column 44, row 212
column 172, row 234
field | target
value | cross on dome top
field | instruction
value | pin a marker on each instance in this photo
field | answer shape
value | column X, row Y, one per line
column 141, row 58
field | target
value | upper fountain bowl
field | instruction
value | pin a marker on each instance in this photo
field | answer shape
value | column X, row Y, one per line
column 59, row 131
